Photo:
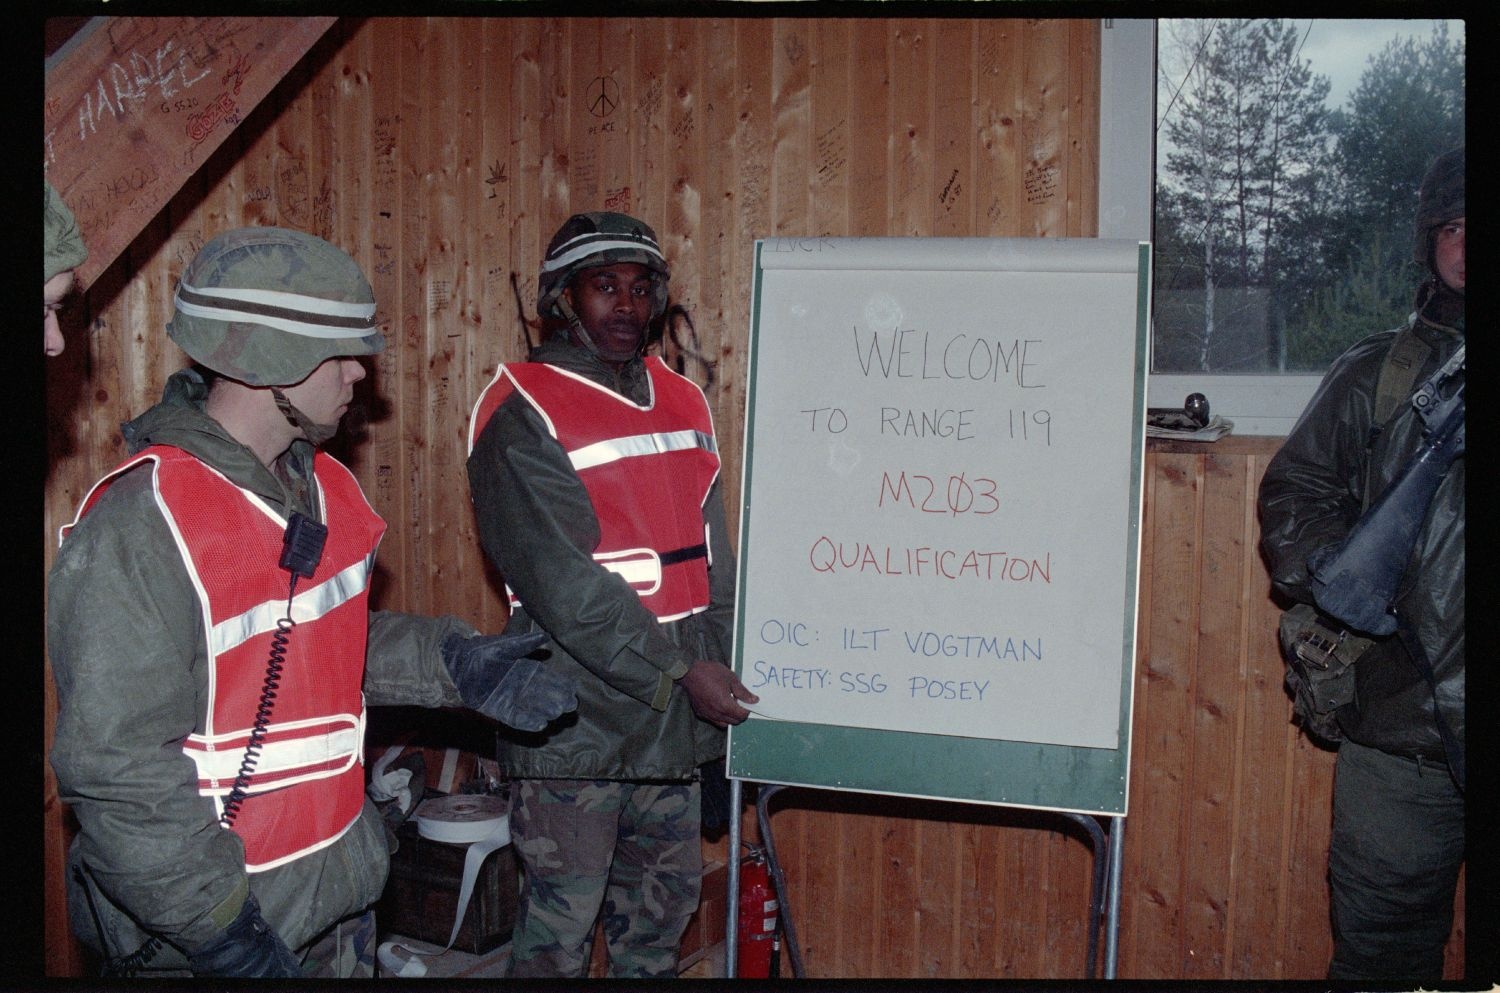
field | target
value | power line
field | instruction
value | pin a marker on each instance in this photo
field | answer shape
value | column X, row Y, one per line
column 1207, row 35
column 1281, row 83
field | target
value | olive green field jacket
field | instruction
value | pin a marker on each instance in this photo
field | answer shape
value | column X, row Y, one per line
column 126, row 642
column 538, row 527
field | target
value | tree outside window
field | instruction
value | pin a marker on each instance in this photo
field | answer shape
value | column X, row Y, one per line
column 1283, row 224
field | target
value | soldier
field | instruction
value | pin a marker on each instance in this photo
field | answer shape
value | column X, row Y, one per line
column 211, row 704
column 62, row 252
column 1398, row 803
column 595, row 478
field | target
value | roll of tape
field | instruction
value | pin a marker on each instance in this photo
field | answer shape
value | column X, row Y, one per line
column 480, row 822
column 464, row 820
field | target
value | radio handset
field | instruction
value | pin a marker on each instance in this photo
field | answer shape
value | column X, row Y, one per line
column 301, row 550
column 302, row 546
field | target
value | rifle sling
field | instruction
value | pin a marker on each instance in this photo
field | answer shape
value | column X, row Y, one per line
column 1393, row 386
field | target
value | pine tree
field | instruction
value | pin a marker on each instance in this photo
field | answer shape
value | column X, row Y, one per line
column 1248, row 139
column 1407, row 109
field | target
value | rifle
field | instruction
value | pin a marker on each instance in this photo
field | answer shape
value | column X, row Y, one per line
column 1356, row 583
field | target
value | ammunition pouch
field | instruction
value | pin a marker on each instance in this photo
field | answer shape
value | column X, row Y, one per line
column 1320, row 659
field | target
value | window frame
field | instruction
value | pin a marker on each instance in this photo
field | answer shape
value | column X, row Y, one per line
column 1257, row 404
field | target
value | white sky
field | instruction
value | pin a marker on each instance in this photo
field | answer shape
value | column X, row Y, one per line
column 1340, row 48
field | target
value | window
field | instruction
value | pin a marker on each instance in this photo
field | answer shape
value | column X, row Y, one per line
column 1286, row 163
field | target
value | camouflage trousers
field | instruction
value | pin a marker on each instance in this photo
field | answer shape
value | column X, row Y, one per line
column 627, row 850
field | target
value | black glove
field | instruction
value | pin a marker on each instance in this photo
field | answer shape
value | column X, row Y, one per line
column 495, row 678
column 248, row 949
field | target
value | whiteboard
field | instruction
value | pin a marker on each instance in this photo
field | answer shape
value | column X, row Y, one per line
column 941, row 505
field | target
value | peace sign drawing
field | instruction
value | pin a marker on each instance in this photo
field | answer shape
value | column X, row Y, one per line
column 603, row 96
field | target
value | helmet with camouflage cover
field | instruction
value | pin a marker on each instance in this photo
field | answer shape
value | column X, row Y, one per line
column 266, row 306
column 62, row 245
column 1440, row 200
column 594, row 239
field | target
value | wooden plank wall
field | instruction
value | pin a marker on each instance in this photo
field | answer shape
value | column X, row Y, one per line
column 442, row 153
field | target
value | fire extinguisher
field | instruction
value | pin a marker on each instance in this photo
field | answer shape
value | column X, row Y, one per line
column 758, row 909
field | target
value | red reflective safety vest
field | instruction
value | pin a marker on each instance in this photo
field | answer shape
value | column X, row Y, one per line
column 307, row 787
column 647, row 469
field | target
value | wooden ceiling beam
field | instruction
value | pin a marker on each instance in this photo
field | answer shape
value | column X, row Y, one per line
column 135, row 105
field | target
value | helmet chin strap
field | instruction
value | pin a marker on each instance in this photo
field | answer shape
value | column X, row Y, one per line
column 576, row 325
column 317, row 434
column 582, row 333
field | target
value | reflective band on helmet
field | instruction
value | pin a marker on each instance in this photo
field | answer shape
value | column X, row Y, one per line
column 311, row 317
column 593, row 244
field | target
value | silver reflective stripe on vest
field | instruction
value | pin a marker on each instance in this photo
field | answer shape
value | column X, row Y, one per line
column 218, row 761
column 614, row 449
column 306, row 606
column 640, row 567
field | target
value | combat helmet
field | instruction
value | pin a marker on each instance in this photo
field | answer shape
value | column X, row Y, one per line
column 1439, row 200
column 266, row 306
column 594, row 239
column 62, row 245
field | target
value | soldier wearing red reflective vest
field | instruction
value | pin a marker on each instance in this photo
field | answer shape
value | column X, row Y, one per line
column 647, row 469
column 214, row 651
column 595, row 478
column 309, row 766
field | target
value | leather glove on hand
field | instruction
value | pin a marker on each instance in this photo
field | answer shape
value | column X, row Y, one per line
column 248, row 949
column 494, row 677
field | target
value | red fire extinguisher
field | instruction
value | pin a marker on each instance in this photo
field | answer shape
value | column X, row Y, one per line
column 758, row 908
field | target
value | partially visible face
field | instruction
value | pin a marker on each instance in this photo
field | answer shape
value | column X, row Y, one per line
column 613, row 302
column 324, row 396
column 1448, row 254
column 54, row 291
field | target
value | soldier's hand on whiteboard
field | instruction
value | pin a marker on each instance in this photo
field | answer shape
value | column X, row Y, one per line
column 716, row 693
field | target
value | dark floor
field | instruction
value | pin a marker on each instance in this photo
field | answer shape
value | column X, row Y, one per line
column 455, row 964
